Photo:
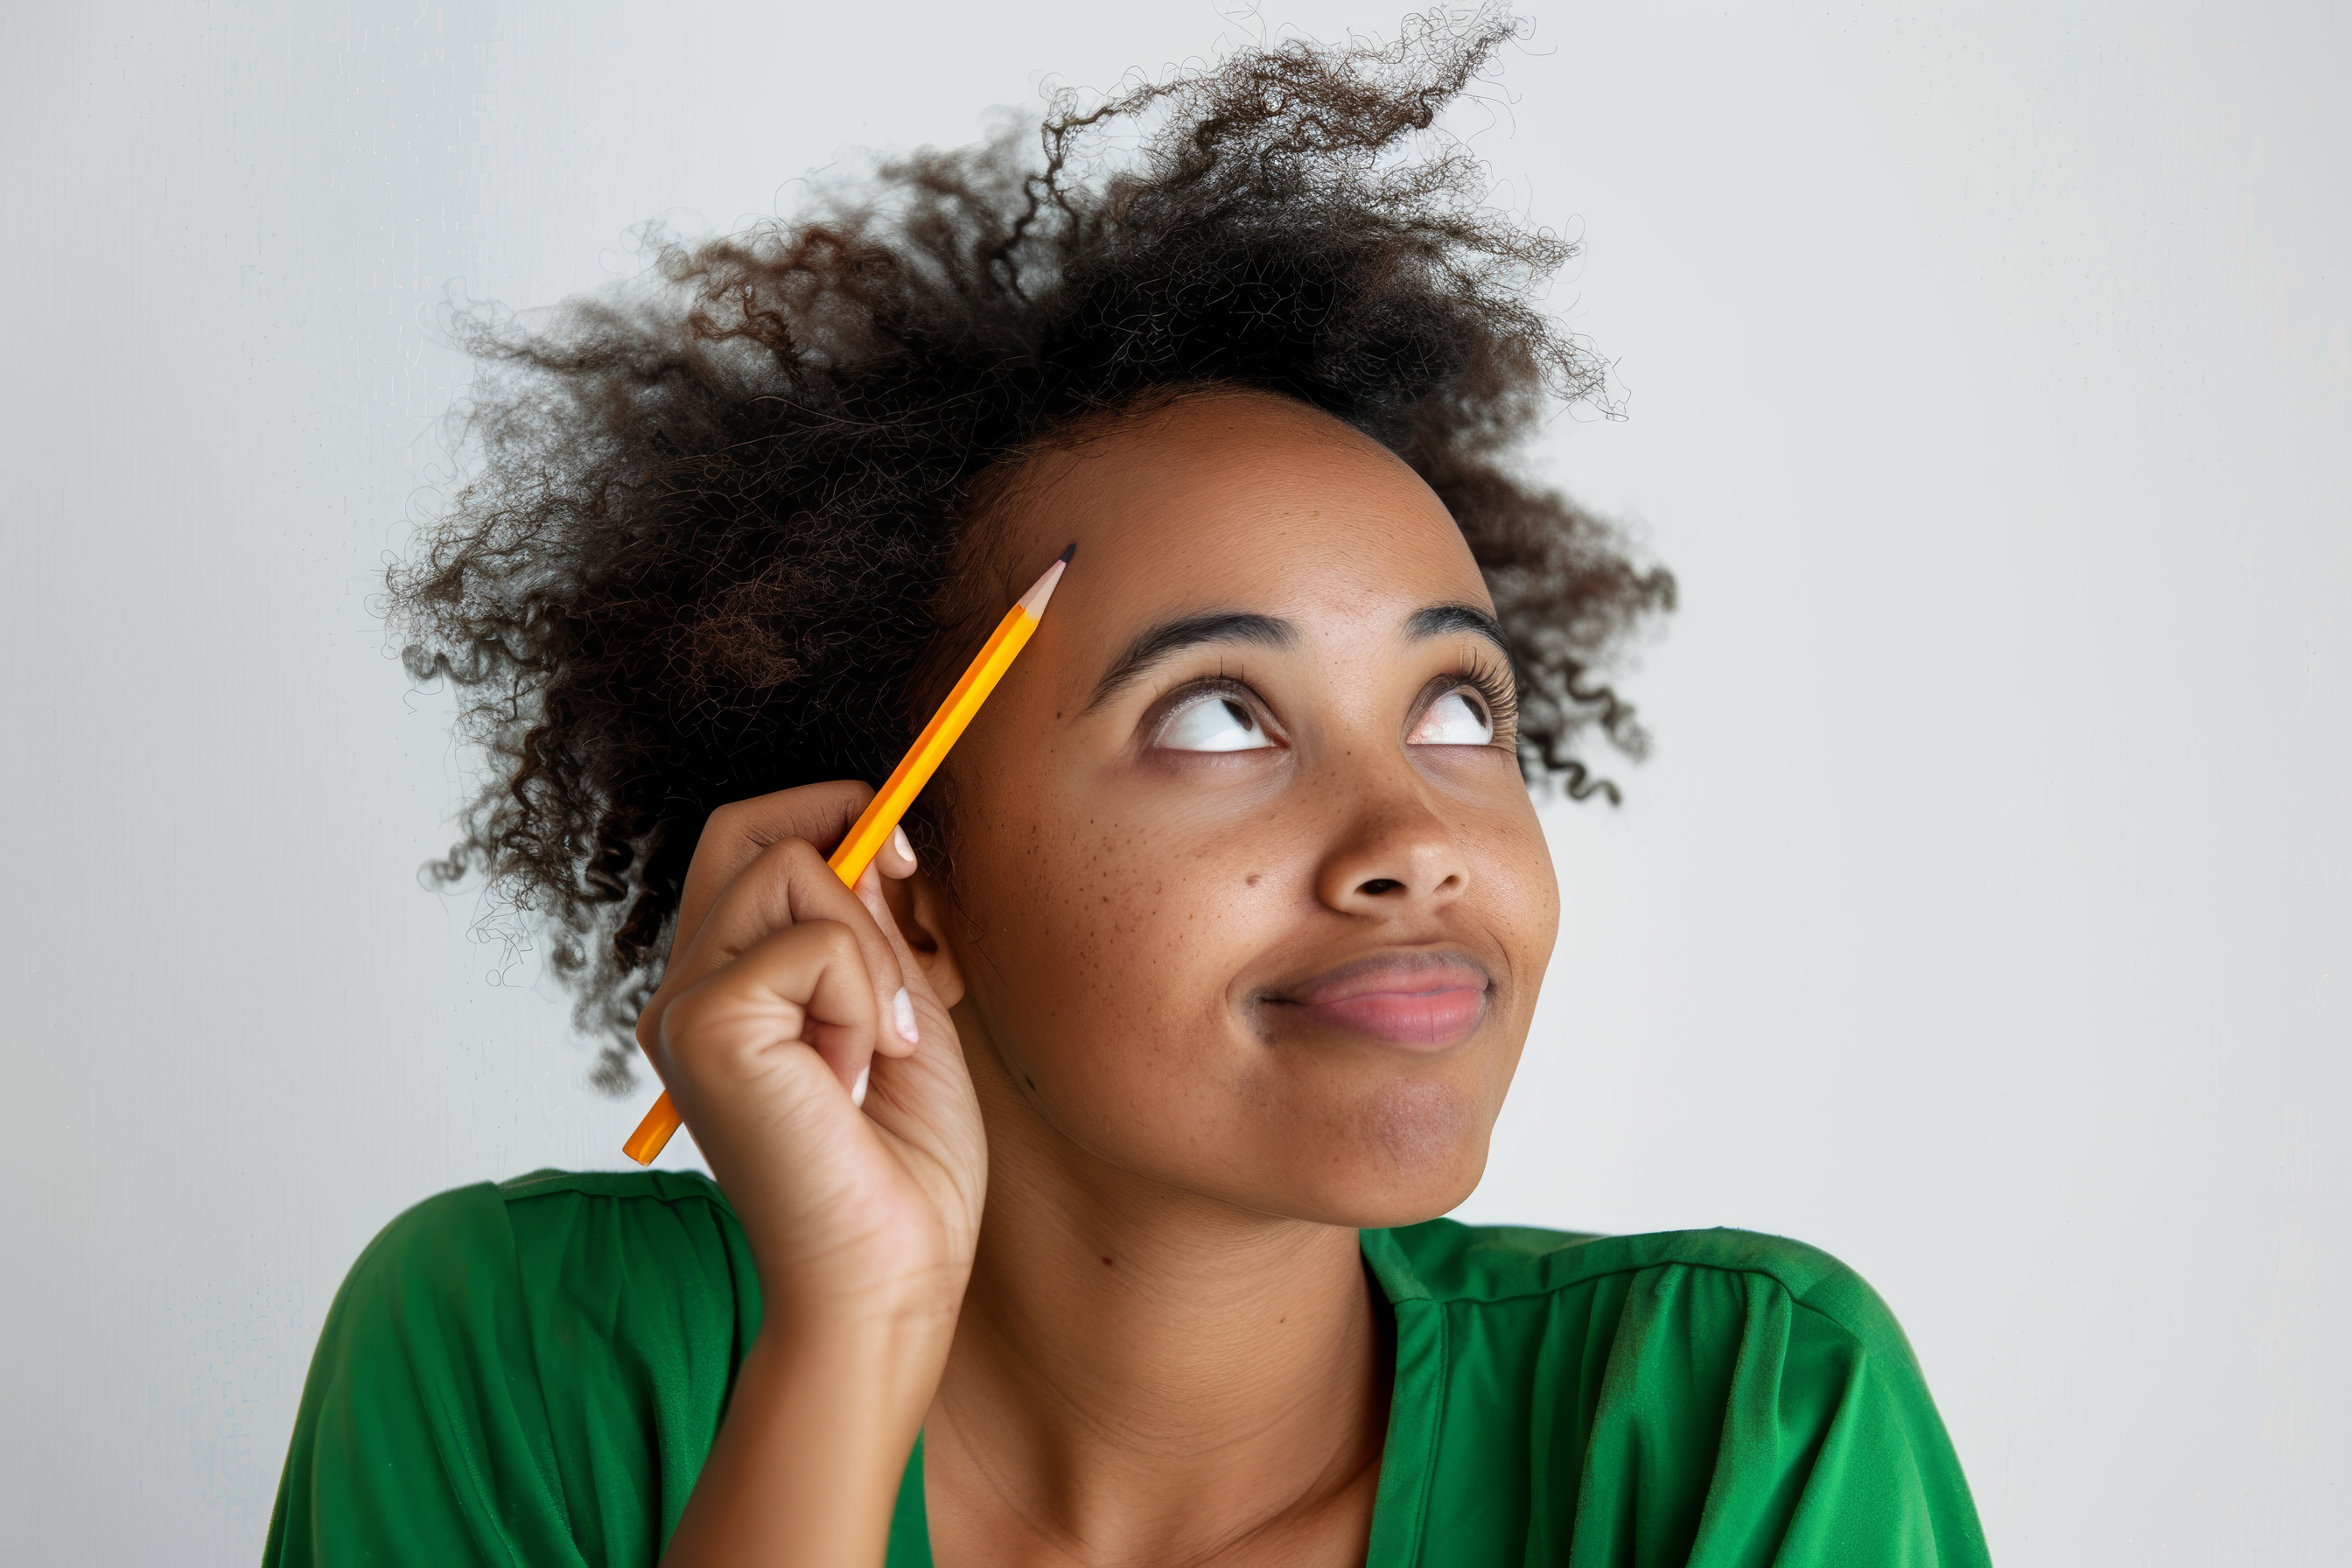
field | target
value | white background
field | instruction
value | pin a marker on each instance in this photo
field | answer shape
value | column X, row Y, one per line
column 1981, row 918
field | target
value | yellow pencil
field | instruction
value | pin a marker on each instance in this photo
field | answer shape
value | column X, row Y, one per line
column 865, row 835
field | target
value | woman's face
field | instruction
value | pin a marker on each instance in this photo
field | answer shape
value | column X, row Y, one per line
column 1253, row 901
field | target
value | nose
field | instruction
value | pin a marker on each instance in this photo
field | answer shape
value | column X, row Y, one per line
column 1394, row 855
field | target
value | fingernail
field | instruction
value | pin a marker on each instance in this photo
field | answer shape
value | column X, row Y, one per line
column 857, row 1089
column 905, row 845
column 902, row 1013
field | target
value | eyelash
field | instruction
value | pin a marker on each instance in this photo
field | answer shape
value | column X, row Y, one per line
column 1210, row 686
column 1493, row 683
column 1495, row 688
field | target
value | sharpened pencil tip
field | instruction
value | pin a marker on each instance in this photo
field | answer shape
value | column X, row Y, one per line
column 1034, row 600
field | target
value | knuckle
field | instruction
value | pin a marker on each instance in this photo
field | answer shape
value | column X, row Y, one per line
column 723, row 824
column 676, row 1025
column 797, row 850
column 835, row 947
column 704, row 1024
column 791, row 868
column 839, row 943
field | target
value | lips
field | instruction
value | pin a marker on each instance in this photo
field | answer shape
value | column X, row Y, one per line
column 1425, row 1001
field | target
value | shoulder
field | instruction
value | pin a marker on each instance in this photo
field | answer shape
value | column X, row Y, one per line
column 551, row 1232
column 1441, row 1260
column 1703, row 1391
column 640, row 1197
column 678, row 1217
column 623, row 1257
column 522, row 1372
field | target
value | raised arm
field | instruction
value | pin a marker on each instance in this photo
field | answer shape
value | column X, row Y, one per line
column 789, row 1000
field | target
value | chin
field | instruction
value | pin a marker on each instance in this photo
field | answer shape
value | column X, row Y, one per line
column 1410, row 1208
column 1418, row 1150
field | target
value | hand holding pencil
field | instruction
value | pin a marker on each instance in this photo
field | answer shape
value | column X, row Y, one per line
column 786, row 985
column 879, row 821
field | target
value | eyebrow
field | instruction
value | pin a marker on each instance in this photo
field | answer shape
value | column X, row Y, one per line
column 1437, row 620
column 1171, row 637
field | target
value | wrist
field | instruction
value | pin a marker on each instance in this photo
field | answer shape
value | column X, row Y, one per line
column 867, row 1310
column 884, row 1351
column 870, row 1331
column 824, row 1409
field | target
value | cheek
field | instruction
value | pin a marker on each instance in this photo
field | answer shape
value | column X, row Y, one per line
column 1106, row 952
column 1103, row 953
column 1521, row 905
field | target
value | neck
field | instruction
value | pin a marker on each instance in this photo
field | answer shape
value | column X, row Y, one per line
column 1145, row 1374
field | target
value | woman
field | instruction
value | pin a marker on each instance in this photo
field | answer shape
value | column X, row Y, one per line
column 1076, row 1173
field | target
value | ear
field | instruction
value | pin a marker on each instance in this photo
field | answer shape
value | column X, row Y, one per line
column 922, row 910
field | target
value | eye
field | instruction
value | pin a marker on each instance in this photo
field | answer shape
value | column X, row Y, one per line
column 1212, row 721
column 1459, row 717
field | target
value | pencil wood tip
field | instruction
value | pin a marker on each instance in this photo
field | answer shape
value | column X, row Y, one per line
column 1034, row 600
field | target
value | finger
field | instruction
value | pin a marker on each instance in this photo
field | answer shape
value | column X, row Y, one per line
column 923, row 1025
column 900, row 1031
column 897, row 857
column 788, row 885
column 805, row 987
column 737, row 834
column 908, row 1088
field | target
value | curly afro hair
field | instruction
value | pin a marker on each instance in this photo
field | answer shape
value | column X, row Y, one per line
column 718, row 522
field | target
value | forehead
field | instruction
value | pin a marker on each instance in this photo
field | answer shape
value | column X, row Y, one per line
column 1242, row 502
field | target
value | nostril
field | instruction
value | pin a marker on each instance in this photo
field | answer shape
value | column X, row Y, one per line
column 1380, row 884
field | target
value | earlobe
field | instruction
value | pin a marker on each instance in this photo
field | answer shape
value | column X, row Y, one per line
column 922, row 920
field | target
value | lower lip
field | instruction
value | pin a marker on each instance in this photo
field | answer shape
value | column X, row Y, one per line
column 1428, row 1020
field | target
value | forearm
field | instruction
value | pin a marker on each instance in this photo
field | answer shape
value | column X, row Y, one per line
column 808, row 1459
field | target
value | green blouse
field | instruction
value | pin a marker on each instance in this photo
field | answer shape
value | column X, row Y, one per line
column 531, row 1374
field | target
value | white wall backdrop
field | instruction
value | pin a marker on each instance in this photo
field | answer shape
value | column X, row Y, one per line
column 1981, row 918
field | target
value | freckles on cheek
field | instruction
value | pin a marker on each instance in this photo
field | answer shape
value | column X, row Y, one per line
column 1079, row 933
column 1124, row 897
column 1110, row 944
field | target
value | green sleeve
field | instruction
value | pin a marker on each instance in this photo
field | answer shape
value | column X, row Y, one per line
column 526, row 1375
column 1766, row 1419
